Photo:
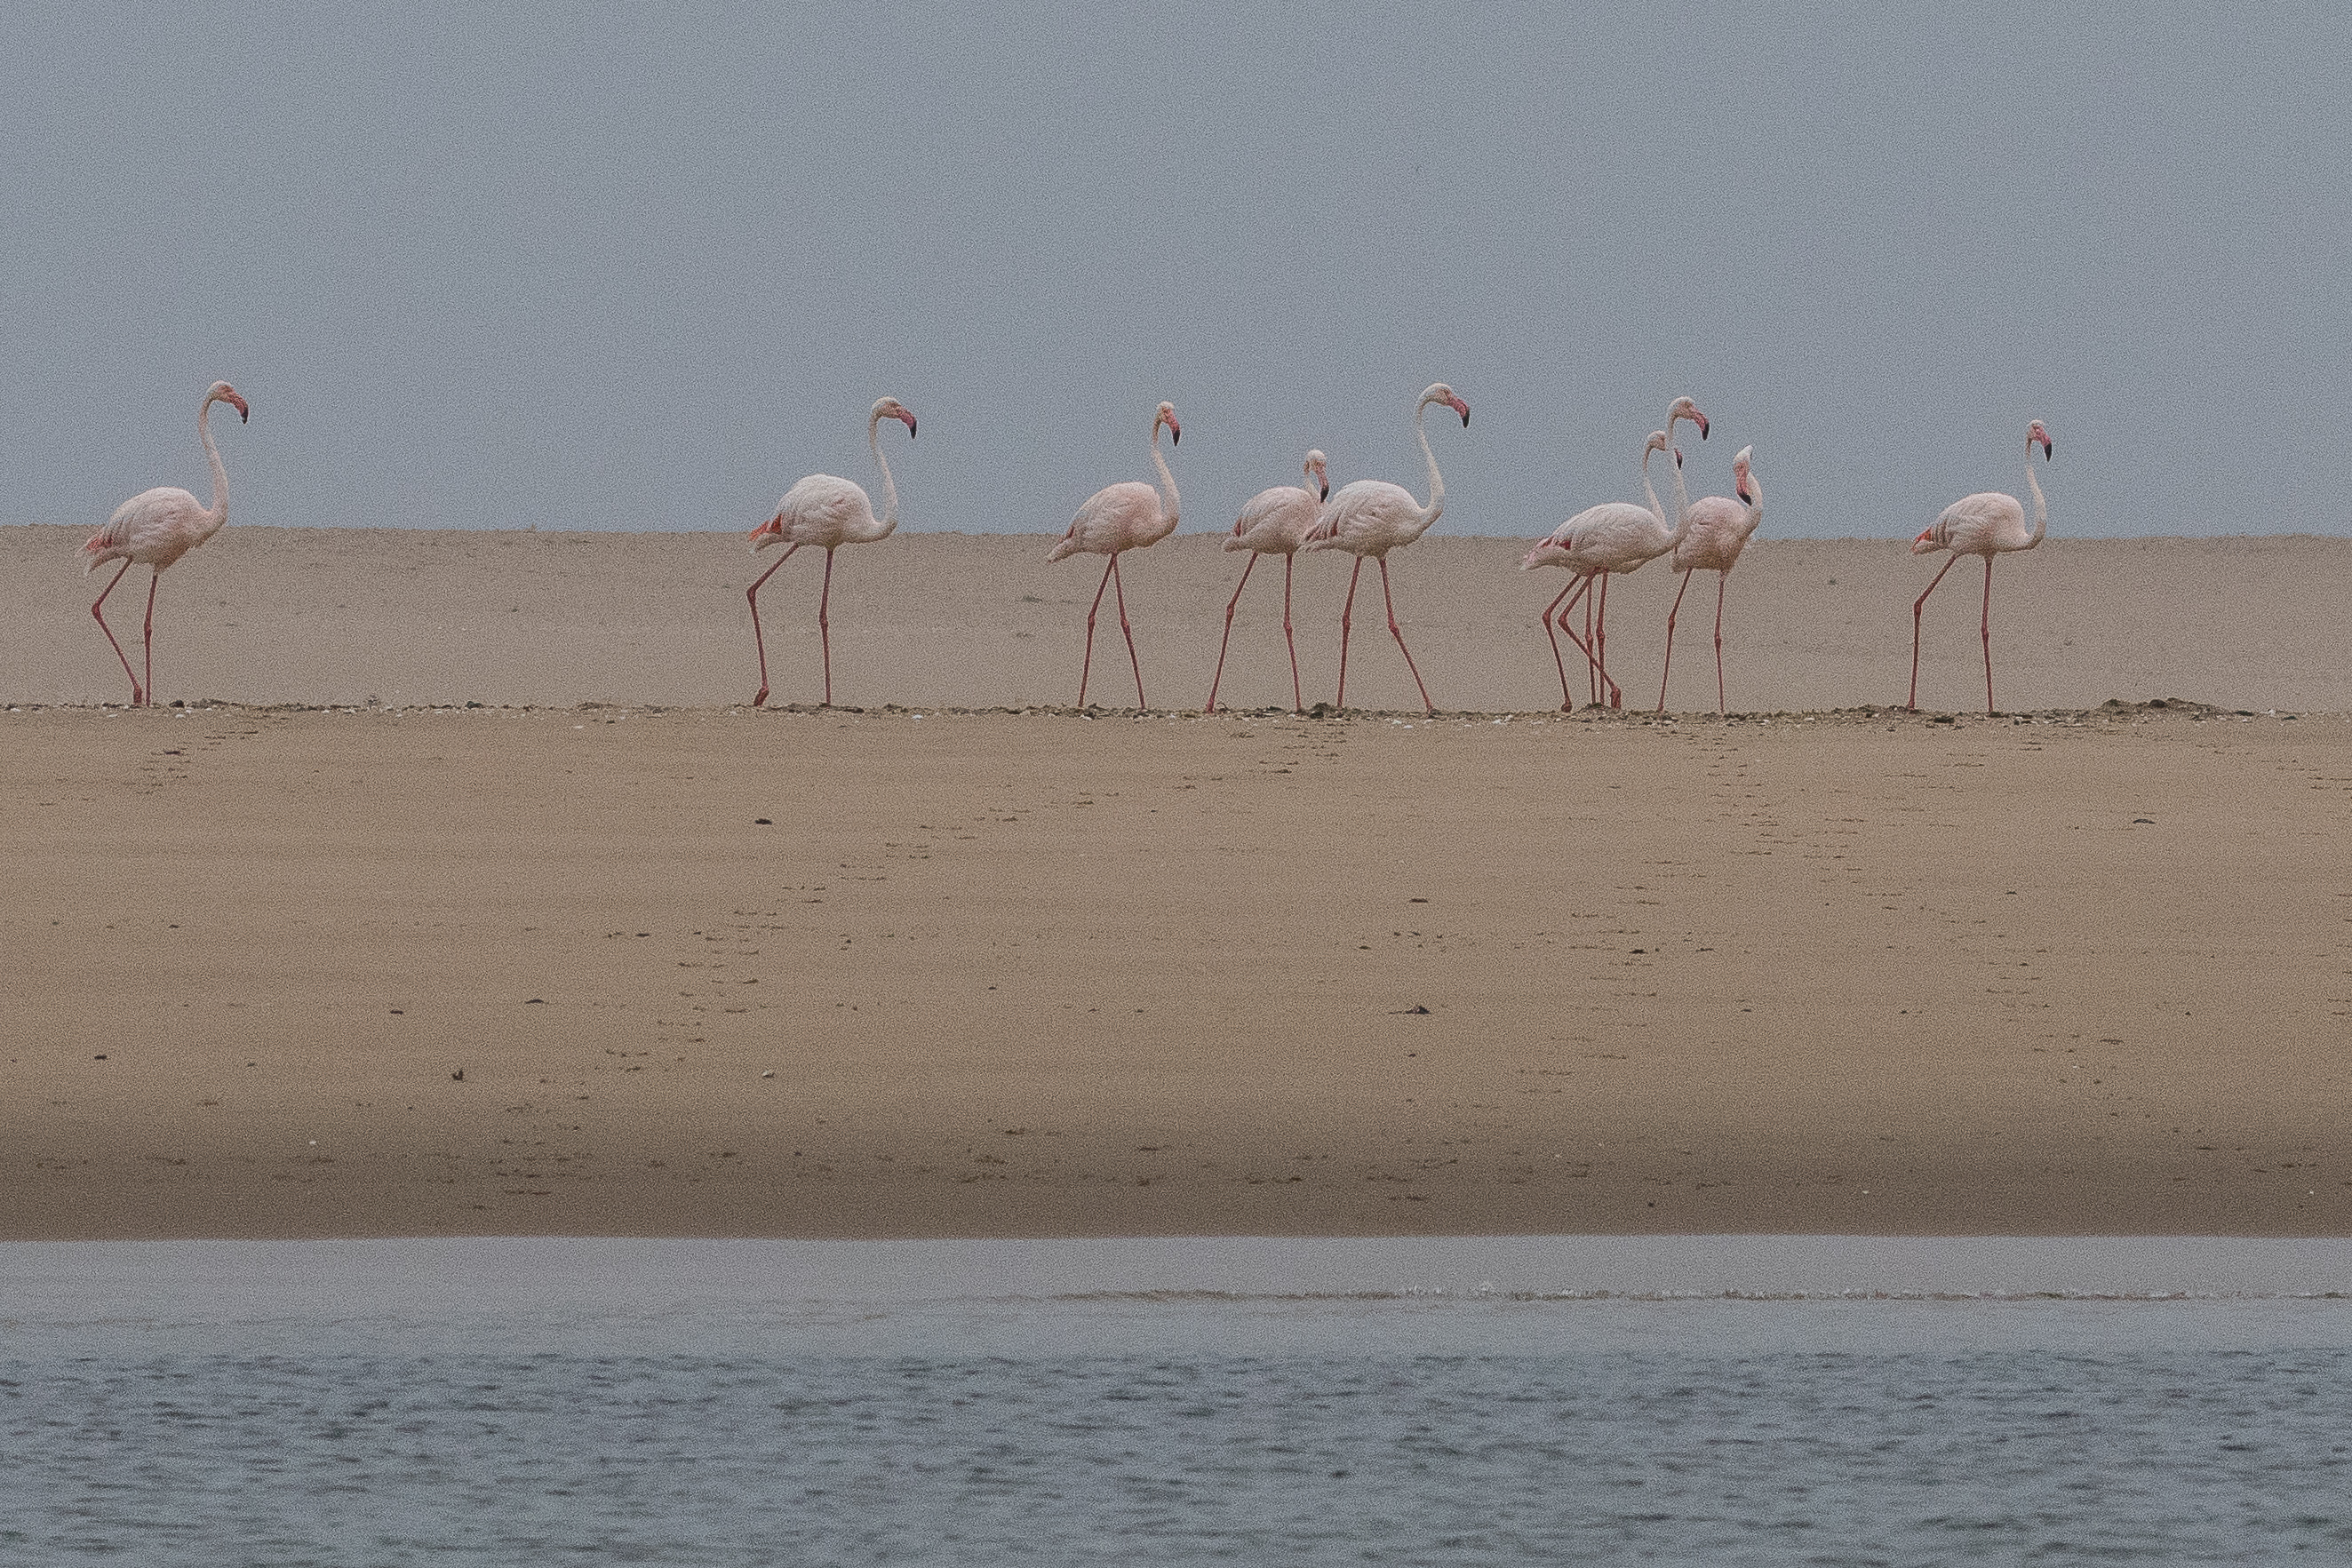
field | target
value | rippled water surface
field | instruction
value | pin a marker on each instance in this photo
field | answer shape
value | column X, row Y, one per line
column 792, row 1424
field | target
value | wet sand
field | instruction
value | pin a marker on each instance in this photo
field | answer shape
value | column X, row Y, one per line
column 1046, row 975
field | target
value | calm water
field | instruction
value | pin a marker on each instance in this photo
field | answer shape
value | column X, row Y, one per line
column 744, row 1403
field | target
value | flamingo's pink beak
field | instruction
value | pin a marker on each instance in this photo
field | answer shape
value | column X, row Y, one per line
column 1925, row 542
column 1463, row 409
column 772, row 529
column 2047, row 450
column 1745, row 498
column 1175, row 432
column 237, row 404
column 908, row 415
column 1326, row 494
column 1700, row 420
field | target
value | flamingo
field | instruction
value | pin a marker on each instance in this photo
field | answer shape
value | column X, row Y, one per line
column 158, row 526
column 1370, row 517
column 1275, row 522
column 1124, row 516
column 822, row 510
column 1603, row 541
column 1985, row 524
column 1719, row 528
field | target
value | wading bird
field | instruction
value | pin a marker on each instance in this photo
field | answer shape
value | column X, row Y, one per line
column 1275, row 522
column 1370, row 517
column 1716, row 529
column 827, row 512
column 158, row 526
column 1123, row 517
column 1613, row 537
column 1985, row 524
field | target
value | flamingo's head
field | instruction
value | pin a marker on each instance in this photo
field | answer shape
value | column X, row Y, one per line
column 1318, row 477
column 1166, row 417
column 223, row 392
column 1549, row 551
column 1682, row 408
column 1438, row 391
column 1658, row 442
column 1742, row 470
column 891, row 408
column 768, row 533
column 1926, row 543
column 2038, row 433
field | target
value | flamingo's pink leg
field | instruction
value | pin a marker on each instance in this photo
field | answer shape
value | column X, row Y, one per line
column 1218, row 679
column 1583, row 645
column 1669, row 672
column 1722, row 582
column 1118, row 594
column 98, row 611
column 1427, row 706
column 1087, row 668
column 1297, row 697
column 824, row 624
column 1567, row 702
column 1986, row 633
column 752, row 594
column 1591, row 665
column 1615, row 694
column 147, row 632
column 1346, row 612
column 1917, row 606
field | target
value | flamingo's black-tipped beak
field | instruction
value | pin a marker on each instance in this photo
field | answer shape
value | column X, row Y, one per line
column 911, row 427
column 237, row 404
column 1678, row 456
column 2048, row 451
column 1701, row 425
column 1175, row 436
column 1327, row 491
column 1745, row 498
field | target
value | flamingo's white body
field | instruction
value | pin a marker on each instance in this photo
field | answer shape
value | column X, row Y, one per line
column 156, row 528
column 1370, row 517
column 1987, row 524
column 827, row 512
column 1716, row 529
column 1120, row 518
column 1599, row 543
column 1275, row 522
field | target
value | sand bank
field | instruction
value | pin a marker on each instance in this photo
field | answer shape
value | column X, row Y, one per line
column 1052, row 976
column 332, row 615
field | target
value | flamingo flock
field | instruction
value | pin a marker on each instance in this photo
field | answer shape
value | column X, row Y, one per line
column 1367, row 518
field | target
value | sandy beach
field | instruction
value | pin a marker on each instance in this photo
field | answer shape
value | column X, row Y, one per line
column 916, row 971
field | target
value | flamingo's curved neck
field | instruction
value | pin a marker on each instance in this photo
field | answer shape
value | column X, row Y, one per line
column 889, row 490
column 219, row 513
column 1167, row 480
column 1682, row 495
column 2040, row 508
column 1437, row 480
column 1651, row 491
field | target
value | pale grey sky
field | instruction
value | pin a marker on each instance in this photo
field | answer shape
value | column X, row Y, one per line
column 624, row 267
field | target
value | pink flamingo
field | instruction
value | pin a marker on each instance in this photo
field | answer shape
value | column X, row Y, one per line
column 158, row 526
column 1985, row 524
column 1600, row 542
column 1275, row 522
column 1370, row 517
column 1718, row 530
column 822, row 510
column 1124, row 516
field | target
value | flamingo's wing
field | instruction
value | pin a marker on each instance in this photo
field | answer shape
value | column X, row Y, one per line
column 1112, row 516
column 147, row 519
column 1274, row 511
column 1973, row 521
column 822, row 508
